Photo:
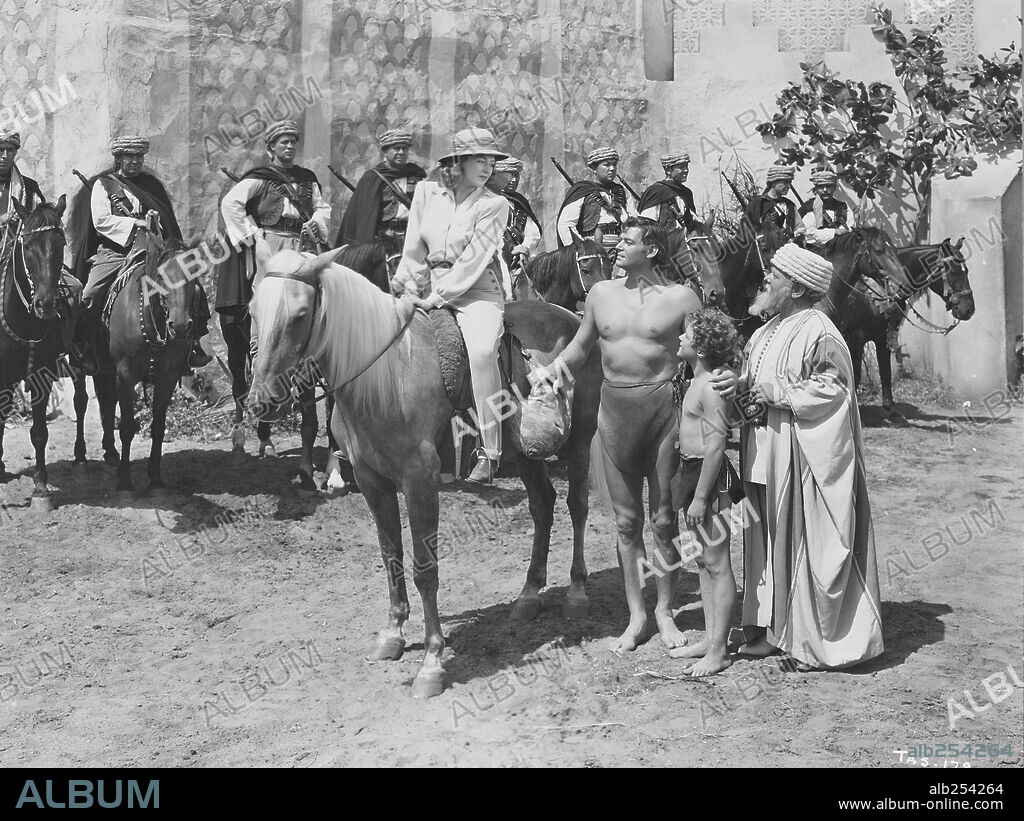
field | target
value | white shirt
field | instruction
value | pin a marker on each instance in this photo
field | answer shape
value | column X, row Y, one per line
column 468, row 236
column 570, row 216
column 240, row 227
column 114, row 227
column 655, row 210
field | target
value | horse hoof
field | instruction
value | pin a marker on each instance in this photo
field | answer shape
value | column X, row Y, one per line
column 307, row 483
column 526, row 609
column 576, row 608
column 267, row 450
column 42, row 504
column 112, row 459
column 80, row 462
column 429, row 685
column 238, row 457
column 387, row 649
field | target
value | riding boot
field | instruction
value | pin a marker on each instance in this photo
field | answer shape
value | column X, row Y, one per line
column 198, row 358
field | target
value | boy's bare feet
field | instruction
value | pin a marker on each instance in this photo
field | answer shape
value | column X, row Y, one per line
column 631, row 639
column 713, row 662
column 670, row 635
column 691, row 651
column 759, row 648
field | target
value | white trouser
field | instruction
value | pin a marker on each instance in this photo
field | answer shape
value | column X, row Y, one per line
column 482, row 323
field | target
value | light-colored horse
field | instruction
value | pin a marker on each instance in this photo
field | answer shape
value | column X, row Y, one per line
column 381, row 359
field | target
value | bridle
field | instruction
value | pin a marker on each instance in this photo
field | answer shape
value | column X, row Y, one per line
column 17, row 246
column 579, row 270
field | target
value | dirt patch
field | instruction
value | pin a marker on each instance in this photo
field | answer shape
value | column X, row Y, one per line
column 228, row 625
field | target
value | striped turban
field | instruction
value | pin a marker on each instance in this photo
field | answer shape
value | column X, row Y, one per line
column 132, row 144
column 510, row 164
column 781, row 172
column 672, row 160
column 807, row 268
column 395, row 138
column 824, row 177
column 602, row 154
column 10, row 138
column 280, row 128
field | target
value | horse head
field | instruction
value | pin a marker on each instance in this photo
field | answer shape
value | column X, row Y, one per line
column 565, row 276
column 591, row 265
column 283, row 311
column 953, row 286
column 40, row 249
column 868, row 253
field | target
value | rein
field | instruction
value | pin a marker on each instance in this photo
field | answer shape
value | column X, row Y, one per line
column 9, row 261
column 579, row 271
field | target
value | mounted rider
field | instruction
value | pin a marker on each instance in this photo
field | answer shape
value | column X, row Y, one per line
column 824, row 217
column 523, row 234
column 596, row 208
column 375, row 211
column 124, row 200
column 14, row 186
column 668, row 202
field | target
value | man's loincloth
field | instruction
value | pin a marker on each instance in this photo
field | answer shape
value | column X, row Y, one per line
column 727, row 489
column 633, row 422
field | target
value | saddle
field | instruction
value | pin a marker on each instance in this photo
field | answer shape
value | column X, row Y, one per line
column 118, row 285
column 538, row 427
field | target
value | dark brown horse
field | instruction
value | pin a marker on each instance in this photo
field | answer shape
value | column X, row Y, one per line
column 566, row 275
column 381, row 359
column 30, row 340
column 874, row 315
column 147, row 339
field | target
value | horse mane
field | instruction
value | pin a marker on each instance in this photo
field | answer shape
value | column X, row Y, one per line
column 845, row 242
column 44, row 216
column 355, row 322
column 544, row 270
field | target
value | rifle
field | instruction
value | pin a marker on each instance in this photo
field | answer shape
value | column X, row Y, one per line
column 341, row 177
column 399, row 194
column 627, row 186
column 735, row 191
column 229, row 175
column 77, row 173
column 562, row 171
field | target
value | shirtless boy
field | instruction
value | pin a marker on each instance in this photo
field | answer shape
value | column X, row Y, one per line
column 701, row 489
column 638, row 319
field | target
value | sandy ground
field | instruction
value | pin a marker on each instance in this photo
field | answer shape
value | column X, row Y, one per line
column 228, row 626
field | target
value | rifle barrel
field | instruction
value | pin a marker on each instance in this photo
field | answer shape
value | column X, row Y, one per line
column 341, row 177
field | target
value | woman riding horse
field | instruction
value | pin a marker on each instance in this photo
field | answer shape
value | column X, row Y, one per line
column 455, row 233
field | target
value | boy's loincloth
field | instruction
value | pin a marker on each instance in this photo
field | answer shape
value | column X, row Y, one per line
column 633, row 422
column 727, row 489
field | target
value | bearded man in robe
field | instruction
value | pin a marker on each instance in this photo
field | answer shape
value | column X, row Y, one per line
column 810, row 573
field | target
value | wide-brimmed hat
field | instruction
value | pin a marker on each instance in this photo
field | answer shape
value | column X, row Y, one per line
column 471, row 142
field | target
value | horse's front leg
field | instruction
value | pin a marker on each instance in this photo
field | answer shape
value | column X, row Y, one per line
column 162, row 392
column 126, row 401
column 106, row 395
column 42, row 499
column 541, row 494
column 884, row 357
column 419, row 484
column 81, row 402
column 382, row 498
column 6, row 403
column 577, row 605
column 308, row 431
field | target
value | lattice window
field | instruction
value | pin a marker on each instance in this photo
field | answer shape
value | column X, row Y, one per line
column 690, row 17
column 26, row 68
column 958, row 35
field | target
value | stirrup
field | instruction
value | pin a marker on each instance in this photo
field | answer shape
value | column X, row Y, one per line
column 483, row 473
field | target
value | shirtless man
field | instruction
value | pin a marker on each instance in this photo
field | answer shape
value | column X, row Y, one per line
column 639, row 323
